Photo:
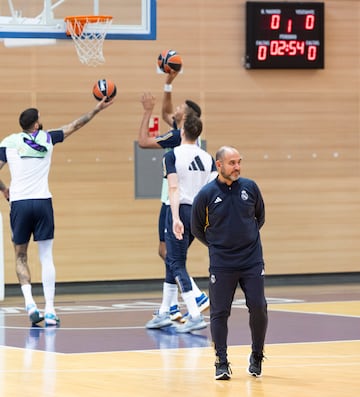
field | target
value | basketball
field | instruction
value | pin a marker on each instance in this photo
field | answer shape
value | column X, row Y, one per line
column 104, row 87
column 169, row 59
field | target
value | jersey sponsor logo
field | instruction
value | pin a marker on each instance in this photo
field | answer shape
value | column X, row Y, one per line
column 196, row 165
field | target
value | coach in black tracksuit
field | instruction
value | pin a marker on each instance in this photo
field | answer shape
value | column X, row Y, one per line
column 227, row 215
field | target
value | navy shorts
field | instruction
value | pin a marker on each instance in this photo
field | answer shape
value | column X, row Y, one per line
column 161, row 224
column 32, row 217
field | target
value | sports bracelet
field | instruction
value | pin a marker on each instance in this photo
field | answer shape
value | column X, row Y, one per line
column 167, row 88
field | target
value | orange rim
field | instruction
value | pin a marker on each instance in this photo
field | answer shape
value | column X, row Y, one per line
column 78, row 21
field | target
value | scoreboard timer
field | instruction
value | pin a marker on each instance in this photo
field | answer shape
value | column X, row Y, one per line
column 283, row 35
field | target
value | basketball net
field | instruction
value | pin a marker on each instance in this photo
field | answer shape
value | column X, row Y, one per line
column 88, row 34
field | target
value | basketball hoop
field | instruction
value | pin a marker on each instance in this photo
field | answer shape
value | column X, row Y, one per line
column 88, row 33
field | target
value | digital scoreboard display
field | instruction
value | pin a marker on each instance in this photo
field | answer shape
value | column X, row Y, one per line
column 284, row 35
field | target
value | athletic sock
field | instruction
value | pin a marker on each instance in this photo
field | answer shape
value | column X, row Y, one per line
column 195, row 288
column 192, row 307
column 48, row 274
column 27, row 292
column 170, row 291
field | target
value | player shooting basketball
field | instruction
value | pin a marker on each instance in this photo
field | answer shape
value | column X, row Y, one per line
column 28, row 154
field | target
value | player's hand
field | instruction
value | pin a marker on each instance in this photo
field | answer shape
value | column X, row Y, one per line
column 178, row 229
column 171, row 76
column 103, row 104
column 148, row 101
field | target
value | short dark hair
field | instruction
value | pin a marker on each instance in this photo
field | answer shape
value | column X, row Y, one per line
column 192, row 127
column 194, row 106
column 28, row 118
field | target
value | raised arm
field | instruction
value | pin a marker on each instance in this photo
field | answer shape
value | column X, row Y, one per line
column 85, row 118
column 167, row 111
column 144, row 140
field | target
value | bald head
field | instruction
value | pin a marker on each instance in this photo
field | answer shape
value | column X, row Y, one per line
column 226, row 151
column 228, row 162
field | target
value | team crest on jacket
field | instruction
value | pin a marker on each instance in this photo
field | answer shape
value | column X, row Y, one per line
column 244, row 195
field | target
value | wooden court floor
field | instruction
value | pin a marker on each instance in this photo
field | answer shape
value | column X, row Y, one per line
column 103, row 349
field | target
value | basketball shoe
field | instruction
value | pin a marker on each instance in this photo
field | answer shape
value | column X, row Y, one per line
column 159, row 321
column 51, row 319
column 34, row 313
column 222, row 370
column 203, row 302
column 175, row 313
column 192, row 324
column 255, row 361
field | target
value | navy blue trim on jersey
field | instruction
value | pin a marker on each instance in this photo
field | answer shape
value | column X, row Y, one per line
column 169, row 161
column 169, row 140
column 57, row 136
column 3, row 154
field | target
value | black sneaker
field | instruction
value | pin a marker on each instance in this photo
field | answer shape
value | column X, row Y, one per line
column 255, row 361
column 223, row 371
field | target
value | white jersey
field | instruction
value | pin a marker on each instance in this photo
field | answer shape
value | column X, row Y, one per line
column 29, row 175
column 194, row 168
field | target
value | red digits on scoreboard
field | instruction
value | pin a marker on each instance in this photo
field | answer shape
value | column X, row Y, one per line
column 300, row 46
column 289, row 48
column 309, row 22
column 289, row 26
column 286, row 47
column 262, row 52
column 276, row 19
column 275, row 22
column 311, row 53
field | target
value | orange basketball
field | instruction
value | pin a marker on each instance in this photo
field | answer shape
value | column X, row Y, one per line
column 169, row 59
column 104, row 87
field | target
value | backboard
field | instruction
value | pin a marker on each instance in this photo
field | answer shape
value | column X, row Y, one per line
column 44, row 19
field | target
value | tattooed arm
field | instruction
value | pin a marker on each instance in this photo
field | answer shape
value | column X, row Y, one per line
column 85, row 118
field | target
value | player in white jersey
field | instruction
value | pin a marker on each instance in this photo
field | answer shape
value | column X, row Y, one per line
column 187, row 168
column 174, row 117
column 28, row 154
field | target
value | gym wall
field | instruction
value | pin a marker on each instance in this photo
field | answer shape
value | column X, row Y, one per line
column 298, row 132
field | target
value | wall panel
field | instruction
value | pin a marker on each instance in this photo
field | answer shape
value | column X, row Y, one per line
column 297, row 130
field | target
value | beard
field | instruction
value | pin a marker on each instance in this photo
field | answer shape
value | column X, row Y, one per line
column 234, row 176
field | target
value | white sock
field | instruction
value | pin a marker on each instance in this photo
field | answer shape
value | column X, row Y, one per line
column 48, row 274
column 26, row 291
column 195, row 288
column 189, row 299
column 169, row 292
column 174, row 298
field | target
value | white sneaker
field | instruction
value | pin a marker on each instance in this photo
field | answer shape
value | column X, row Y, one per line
column 159, row 321
column 34, row 314
column 192, row 324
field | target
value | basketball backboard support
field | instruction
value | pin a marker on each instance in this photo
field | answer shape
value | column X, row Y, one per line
column 44, row 19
